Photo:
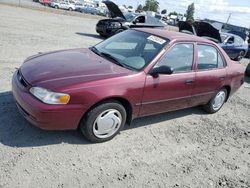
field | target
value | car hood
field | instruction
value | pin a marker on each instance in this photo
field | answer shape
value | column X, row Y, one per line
column 201, row 29
column 114, row 10
column 60, row 69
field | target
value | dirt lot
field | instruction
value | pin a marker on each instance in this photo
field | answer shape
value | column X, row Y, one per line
column 187, row 148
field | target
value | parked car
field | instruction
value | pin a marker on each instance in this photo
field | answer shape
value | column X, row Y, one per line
column 248, row 52
column 79, row 6
column 89, row 10
column 135, row 73
column 120, row 22
column 233, row 44
column 55, row 3
column 66, row 4
column 45, row 2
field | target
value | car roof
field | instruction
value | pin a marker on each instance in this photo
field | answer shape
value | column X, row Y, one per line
column 172, row 35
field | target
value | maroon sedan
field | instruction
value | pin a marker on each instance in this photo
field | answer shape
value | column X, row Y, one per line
column 135, row 73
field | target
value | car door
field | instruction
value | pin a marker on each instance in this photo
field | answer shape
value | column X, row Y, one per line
column 210, row 73
column 170, row 92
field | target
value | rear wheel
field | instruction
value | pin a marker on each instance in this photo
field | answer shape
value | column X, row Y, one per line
column 70, row 9
column 215, row 104
column 241, row 55
column 103, row 122
column 56, row 7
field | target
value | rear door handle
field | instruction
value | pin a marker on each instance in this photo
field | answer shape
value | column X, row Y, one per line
column 189, row 82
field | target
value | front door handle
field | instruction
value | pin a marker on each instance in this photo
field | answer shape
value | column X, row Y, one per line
column 189, row 82
column 222, row 77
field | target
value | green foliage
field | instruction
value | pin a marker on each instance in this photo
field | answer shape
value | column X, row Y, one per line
column 151, row 5
column 190, row 13
column 175, row 13
column 139, row 8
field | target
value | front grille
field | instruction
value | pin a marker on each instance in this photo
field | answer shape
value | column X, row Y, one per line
column 22, row 80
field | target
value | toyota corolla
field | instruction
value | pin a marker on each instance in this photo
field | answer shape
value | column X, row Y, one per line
column 138, row 72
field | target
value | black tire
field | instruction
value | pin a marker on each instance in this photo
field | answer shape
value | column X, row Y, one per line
column 56, row 7
column 70, row 9
column 209, row 108
column 88, row 122
column 247, row 72
column 241, row 55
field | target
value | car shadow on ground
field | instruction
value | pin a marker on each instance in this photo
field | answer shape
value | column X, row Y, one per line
column 15, row 131
column 90, row 35
column 153, row 119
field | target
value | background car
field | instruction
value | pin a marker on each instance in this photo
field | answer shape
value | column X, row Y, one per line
column 233, row 44
column 248, row 52
column 66, row 4
column 120, row 22
column 79, row 6
column 87, row 9
column 55, row 3
column 135, row 73
column 45, row 2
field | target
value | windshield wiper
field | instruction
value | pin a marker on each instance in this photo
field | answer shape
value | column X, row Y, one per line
column 95, row 50
column 110, row 57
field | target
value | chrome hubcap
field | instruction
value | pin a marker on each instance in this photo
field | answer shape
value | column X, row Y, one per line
column 107, row 123
column 219, row 100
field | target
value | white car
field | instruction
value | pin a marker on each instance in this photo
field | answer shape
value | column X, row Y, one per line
column 67, row 5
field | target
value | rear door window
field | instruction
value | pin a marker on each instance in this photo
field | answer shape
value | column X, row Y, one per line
column 208, row 58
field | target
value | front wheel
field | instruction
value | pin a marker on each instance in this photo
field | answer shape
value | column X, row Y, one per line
column 70, row 9
column 215, row 104
column 103, row 122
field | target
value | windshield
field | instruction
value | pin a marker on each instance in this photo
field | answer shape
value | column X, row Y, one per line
column 223, row 37
column 129, row 17
column 131, row 49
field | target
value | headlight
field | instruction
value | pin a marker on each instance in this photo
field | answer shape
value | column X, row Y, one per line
column 114, row 25
column 49, row 97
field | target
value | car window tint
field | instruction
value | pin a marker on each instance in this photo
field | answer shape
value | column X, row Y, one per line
column 208, row 58
column 180, row 58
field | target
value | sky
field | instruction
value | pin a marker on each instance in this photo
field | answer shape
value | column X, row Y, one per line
column 212, row 9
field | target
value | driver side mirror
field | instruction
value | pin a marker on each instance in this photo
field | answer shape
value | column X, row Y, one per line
column 135, row 21
column 161, row 70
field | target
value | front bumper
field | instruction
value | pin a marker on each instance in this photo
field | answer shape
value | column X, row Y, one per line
column 45, row 116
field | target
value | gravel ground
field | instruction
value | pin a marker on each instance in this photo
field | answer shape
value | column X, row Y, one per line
column 186, row 148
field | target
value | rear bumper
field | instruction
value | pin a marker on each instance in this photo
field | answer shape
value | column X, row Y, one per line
column 44, row 116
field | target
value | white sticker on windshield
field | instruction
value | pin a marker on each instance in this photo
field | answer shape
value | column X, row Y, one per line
column 156, row 39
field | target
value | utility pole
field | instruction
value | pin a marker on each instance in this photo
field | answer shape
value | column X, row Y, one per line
column 229, row 16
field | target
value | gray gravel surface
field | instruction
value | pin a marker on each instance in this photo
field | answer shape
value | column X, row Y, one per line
column 186, row 148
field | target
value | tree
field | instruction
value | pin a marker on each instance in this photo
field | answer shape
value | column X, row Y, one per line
column 151, row 5
column 190, row 13
column 139, row 8
column 130, row 7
